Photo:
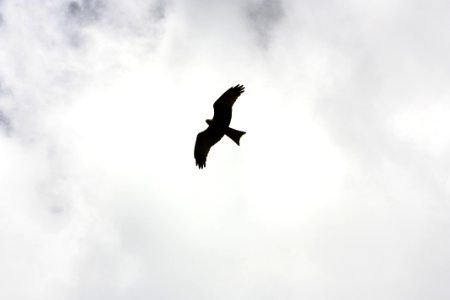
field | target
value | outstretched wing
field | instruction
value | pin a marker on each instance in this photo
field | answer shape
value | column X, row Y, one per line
column 205, row 140
column 229, row 97
column 223, row 105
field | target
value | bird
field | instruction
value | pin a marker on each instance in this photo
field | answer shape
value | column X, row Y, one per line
column 219, row 126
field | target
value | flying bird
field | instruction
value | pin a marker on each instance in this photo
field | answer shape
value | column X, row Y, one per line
column 218, row 126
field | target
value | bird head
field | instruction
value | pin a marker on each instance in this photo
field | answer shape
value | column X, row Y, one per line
column 208, row 122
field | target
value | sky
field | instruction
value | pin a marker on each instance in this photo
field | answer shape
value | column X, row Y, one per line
column 340, row 188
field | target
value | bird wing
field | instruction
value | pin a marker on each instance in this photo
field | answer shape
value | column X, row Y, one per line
column 229, row 97
column 205, row 140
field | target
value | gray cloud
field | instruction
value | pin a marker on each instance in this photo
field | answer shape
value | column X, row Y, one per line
column 264, row 16
column 86, row 11
column 5, row 123
column 1, row 15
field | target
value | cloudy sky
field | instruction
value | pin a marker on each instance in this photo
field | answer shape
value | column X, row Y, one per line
column 340, row 189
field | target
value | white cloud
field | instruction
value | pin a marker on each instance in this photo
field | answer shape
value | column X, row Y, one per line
column 426, row 127
column 338, row 191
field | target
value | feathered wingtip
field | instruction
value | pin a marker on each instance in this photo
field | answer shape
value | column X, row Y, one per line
column 239, row 88
column 200, row 165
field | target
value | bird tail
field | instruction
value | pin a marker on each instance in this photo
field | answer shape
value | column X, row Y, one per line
column 234, row 134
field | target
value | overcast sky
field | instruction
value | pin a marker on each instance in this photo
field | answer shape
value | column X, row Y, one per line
column 340, row 188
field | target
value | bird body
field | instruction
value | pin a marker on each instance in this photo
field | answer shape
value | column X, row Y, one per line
column 218, row 127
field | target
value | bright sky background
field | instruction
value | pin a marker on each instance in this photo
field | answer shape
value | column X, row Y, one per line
column 340, row 188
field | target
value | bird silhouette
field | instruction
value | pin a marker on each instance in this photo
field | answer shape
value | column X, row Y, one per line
column 218, row 126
